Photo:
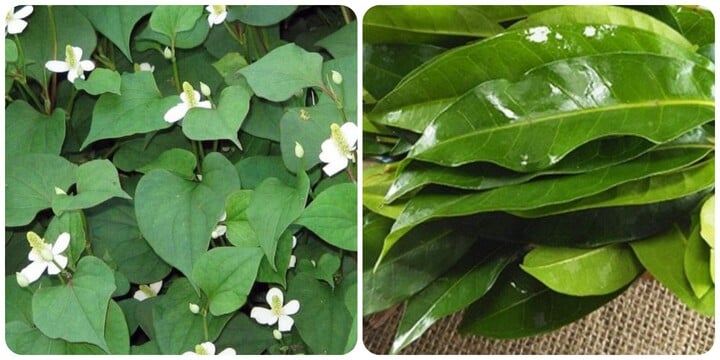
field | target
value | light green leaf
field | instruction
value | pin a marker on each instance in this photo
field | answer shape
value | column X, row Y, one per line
column 223, row 122
column 333, row 216
column 696, row 261
column 178, row 161
column 97, row 182
column 177, row 216
column 76, row 312
column 116, row 22
column 17, row 302
column 308, row 127
column 283, row 72
column 30, row 132
column 583, row 272
column 172, row 19
column 707, row 221
column 342, row 42
column 377, row 180
column 274, row 206
column 260, row 15
column 177, row 330
column 100, row 81
column 226, row 276
column 11, row 51
column 266, row 273
column 140, row 109
column 229, row 65
column 697, row 24
column 239, row 231
column 30, row 185
column 114, row 234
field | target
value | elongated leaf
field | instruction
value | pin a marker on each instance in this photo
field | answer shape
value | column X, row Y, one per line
column 140, row 109
column 502, row 13
column 375, row 229
column 411, row 105
column 696, row 261
column 426, row 24
column 377, row 179
column 602, row 15
column 384, row 65
column 30, row 185
column 532, row 124
column 428, row 252
column 333, row 216
column 30, row 132
column 283, row 71
column 226, row 275
column 539, row 193
column 660, row 255
column 223, row 122
column 116, row 22
column 471, row 278
column 481, row 176
column 520, row 306
column 583, row 272
column 696, row 24
column 177, row 216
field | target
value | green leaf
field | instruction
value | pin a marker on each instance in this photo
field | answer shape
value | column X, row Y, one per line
column 100, row 81
column 30, row 185
column 178, row 330
column 347, row 90
column 412, row 106
column 342, row 42
column 223, row 122
column 129, row 306
column 170, row 19
column 427, row 252
column 377, row 179
column 11, row 51
column 259, row 15
column 324, row 269
column 239, row 231
column 375, row 228
column 583, row 272
column 254, row 169
column 140, row 109
column 97, row 182
column 696, row 24
column 333, row 216
column 442, row 24
column 348, row 287
column 602, row 15
column 229, row 65
column 320, row 305
column 177, row 216
column 543, row 193
column 520, row 306
column 76, row 312
column 30, row 132
column 40, row 44
column 148, row 348
column 244, row 335
column 696, row 261
column 274, row 206
column 148, row 39
column 660, row 255
column 74, row 223
column 116, row 22
column 17, row 302
column 114, row 234
column 266, row 272
column 545, row 123
column 284, row 71
column 116, row 330
column 308, row 127
column 467, row 281
column 226, row 275
column 707, row 221
column 264, row 119
column 178, row 161
column 384, row 65
column 142, row 150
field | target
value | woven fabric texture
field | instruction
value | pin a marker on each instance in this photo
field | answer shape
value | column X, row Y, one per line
column 646, row 319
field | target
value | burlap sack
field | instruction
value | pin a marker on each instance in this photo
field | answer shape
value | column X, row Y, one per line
column 646, row 319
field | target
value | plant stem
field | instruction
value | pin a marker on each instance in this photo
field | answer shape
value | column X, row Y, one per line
column 21, row 57
column 70, row 103
column 53, row 88
column 206, row 332
column 232, row 33
column 350, row 174
column 215, row 146
column 176, row 74
column 346, row 14
column 24, row 86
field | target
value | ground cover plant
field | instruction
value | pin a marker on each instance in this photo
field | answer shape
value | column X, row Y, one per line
column 180, row 179
column 526, row 164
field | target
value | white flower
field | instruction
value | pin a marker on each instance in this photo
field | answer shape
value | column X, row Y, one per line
column 45, row 256
column 208, row 348
column 293, row 259
column 189, row 98
column 148, row 291
column 14, row 20
column 299, row 151
column 218, row 13
column 22, row 280
column 194, row 308
column 146, row 67
column 73, row 65
column 220, row 229
column 339, row 148
column 337, row 77
column 277, row 313
column 167, row 53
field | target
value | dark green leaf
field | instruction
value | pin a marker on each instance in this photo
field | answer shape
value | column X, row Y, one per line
column 342, row 42
column 254, row 169
column 170, row 20
column 178, row 161
column 116, row 22
column 30, row 132
column 308, row 127
column 264, row 119
column 75, row 224
column 142, row 150
column 333, row 216
column 696, row 24
column 259, row 15
column 244, row 335
column 384, row 65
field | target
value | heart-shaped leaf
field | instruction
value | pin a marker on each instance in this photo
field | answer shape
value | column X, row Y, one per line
column 333, row 216
column 97, row 181
column 99, row 82
column 116, row 22
column 30, row 132
column 223, row 122
column 172, row 19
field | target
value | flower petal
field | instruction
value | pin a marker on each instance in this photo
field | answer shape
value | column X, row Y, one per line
column 219, row 231
column 176, row 113
column 204, row 104
column 73, row 74
column 156, row 286
column 140, row 296
column 33, row 255
column 23, row 12
column 61, row 243
column 330, row 151
column 77, row 51
column 221, row 17
column 336, row 166
column 293, row 261
column 16, row 26
column 87, row 65
column 285, row 323
column 292, row 307
column 33, row 271
column 273, row 293
column 294, row 241
column 228, row 351
column 212, row 18
column 57, row 66
column 263, row 315
column 62, row 260
column 209, row 8
column 208, row 347
column 350, row 132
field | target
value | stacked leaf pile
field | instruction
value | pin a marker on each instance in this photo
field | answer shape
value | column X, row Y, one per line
column 535, row 162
